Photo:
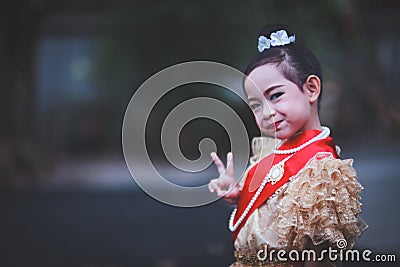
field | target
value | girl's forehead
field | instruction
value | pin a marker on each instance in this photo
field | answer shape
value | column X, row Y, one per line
column 263, row 76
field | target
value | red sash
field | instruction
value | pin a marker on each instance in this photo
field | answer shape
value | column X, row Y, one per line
column 257, row 173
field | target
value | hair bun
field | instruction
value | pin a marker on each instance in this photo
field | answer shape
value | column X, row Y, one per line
column 269, row 28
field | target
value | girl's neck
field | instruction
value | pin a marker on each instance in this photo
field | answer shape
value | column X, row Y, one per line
column 314, row 124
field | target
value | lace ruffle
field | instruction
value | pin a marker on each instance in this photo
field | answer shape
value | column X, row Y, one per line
column 261, row 147
column 321, row 203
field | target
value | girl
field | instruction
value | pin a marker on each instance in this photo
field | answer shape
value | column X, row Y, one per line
column 297, row 195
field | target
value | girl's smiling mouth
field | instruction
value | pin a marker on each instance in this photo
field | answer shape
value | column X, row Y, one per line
column 276, row 124
column 272, row 126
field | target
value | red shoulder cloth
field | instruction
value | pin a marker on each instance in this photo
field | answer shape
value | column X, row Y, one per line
column 257, row 173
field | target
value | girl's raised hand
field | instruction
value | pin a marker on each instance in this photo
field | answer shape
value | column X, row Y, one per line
column 226, row 185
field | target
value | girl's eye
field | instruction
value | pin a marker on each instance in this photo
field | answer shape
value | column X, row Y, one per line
column 254, row 106
column 276, row 95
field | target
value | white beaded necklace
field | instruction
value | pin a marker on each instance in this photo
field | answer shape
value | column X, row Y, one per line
column 324, row 134
column 274, row 175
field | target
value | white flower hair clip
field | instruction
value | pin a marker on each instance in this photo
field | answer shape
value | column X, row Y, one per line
column 278, row 38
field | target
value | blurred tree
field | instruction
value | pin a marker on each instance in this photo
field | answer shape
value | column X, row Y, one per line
column 19, row 25
column 345, row 35
column 356, row 41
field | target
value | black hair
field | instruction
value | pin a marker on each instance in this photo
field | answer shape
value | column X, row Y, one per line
column 295, row 61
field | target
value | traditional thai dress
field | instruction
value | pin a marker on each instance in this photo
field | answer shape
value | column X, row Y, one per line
column 315, row 202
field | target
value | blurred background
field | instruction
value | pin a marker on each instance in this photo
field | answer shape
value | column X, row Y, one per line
column 68, row 70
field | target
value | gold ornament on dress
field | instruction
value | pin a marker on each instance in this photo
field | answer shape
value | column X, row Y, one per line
column 276, row 172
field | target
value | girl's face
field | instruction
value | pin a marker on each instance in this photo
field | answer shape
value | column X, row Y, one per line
column 281, row 109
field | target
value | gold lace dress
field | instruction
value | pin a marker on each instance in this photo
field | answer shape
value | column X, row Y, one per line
column 319, row 205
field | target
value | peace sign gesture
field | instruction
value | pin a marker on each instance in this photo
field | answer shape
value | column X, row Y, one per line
column 226, row 185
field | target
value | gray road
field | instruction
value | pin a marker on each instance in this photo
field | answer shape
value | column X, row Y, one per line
column 108, row 222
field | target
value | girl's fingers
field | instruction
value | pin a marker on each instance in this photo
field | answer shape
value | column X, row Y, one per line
column 220, row 192
column 212, row 186
column 229, row 165
column 218, row 163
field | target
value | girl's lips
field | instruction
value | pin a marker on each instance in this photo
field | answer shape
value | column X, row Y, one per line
column 273, row 126
column 277, row 124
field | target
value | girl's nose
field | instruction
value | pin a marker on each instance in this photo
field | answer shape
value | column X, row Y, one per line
column 268, row 112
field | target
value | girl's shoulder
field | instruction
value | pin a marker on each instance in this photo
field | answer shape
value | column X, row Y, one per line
column 326, row 169
column 262, row 147
column 324, row 195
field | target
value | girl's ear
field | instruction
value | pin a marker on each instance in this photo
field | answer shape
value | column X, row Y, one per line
column 312, row 87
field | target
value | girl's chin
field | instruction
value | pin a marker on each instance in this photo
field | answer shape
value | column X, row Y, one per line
column 281, row 135
column 269, row 133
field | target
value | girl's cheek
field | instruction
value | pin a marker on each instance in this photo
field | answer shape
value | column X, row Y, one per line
column 257, row 119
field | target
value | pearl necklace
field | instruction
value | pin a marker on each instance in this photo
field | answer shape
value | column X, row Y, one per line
column 324, row 134
column 274, row 175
